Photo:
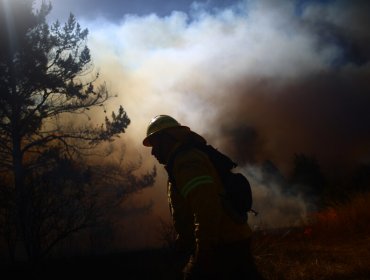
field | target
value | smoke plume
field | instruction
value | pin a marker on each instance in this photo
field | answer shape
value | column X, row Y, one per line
column 261, row 80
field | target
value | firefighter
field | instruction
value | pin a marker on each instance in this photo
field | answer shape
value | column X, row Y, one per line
column 220, row 247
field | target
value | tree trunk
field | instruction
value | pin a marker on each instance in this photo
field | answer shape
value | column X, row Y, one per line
column 21, row 197
column 23, row 200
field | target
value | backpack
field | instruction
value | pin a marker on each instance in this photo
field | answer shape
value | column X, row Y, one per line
column 237, row 197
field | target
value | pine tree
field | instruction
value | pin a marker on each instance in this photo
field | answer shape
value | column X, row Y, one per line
column 44, row 78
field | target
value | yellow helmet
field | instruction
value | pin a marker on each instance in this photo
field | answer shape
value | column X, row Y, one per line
column 159, row 124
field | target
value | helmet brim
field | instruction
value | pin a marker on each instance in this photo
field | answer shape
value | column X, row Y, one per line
column 177, row 132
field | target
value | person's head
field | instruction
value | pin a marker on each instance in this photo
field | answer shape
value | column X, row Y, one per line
column 162, row 134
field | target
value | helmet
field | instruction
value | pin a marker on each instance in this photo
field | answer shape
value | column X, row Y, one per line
column 159, row 124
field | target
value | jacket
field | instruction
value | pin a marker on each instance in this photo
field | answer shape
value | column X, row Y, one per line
column 194, row 192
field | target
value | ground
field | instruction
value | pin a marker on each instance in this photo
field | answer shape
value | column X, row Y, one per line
column 304, row 257
column 285, row 254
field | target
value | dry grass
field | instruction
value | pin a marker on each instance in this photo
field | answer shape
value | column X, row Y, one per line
column 334, row 245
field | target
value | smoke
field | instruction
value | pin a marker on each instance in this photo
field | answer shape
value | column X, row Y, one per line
column 260, row 80
column 275, row 209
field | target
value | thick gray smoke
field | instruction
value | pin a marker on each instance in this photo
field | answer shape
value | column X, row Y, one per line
column 262, row 80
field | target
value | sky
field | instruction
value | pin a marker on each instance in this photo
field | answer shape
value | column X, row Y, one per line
column 261, row 80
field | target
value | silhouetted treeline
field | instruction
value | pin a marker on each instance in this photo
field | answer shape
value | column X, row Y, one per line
column 50, row 188
column 309, row 180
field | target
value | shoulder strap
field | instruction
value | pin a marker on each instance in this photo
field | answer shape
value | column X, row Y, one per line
column 220, row 160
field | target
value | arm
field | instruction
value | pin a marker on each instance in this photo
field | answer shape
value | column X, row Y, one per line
column 200, row 185
column 183, row 220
